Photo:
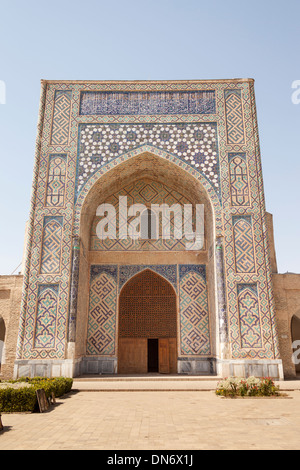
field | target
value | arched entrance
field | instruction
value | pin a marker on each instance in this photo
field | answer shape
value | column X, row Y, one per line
column 143, row 179
column 147, row 325
column 2, row 338
column 295, row 330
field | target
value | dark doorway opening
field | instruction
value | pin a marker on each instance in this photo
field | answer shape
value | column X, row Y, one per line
column 153, row 355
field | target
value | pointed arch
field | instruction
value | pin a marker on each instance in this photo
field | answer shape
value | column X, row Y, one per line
column 295, row 334
column 167, row 272
column 153, row 269
column 145, row 160
column 147, row 307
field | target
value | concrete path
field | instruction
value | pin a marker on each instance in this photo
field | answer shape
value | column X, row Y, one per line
column 156, row 420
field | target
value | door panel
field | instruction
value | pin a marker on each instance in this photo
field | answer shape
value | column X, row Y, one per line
column 147, row 325
column 133, row 358
column 173, row 355
column 164, row 362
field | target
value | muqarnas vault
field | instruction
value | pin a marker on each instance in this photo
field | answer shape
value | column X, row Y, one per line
column 147, row 305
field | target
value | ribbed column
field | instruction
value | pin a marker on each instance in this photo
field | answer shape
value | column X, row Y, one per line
column 74, row 290
column 222, row 305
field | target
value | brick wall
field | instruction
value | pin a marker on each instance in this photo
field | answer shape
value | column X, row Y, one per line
column 10, row 304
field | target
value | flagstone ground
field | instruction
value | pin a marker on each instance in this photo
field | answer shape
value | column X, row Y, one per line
column 156, row 420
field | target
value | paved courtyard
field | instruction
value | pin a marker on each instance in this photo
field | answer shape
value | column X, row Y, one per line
column 157, row 420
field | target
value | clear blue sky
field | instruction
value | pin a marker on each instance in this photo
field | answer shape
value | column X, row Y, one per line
column 155, row 39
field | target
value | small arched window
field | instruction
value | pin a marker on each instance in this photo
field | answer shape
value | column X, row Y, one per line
column 148, row 225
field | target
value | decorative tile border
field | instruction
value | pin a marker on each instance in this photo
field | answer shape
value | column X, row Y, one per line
column 145, row 103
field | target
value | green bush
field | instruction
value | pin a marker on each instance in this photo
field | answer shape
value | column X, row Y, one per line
column 253, row 386
column 13, row 400
column 58, row 385
column 20, row 395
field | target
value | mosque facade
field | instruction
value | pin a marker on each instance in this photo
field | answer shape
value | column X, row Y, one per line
column 149, row 248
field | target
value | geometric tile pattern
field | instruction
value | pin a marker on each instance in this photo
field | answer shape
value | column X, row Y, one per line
column 51, row 247
column 236, row 133
column 234, row 117
column 167, row 271
column 200, row 102
column 243, row 244
column 61, row 118
column 102, row 315
column 194, row 315
column 195, row 144
column 45, row 327
column 144, row 192
column 249, row 316
column 55, row 195
column 239, row 185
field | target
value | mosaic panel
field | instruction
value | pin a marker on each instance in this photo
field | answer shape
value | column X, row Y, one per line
column 51, row 248
column 61, row 118
column 195, row 144
column 194, row 315
column 144, row 192
column 168, row 271
column 239, row 184
column 111, row 270
column 56, row 181
column 249, row 317
column 145, row 103
column 262, row 275
column 102, row 315
column 234, row 117
column 45, row 327
column 243, row 244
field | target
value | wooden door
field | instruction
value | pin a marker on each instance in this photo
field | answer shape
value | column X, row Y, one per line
column 163, row 354
column 133, row 357
column 173, row 355
column 147, row 312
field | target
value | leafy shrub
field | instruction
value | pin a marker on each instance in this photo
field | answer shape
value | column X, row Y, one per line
column 252, row 386
column 20, row 395
column 58, row 385
column 15, row 400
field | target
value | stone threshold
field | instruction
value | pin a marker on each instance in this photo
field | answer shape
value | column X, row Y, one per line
column 146, row 377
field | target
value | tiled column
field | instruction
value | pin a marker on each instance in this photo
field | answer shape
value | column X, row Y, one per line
column 222, row 307
column 73, row 293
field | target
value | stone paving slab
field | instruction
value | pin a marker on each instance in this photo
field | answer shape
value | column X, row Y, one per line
column 156, row 421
